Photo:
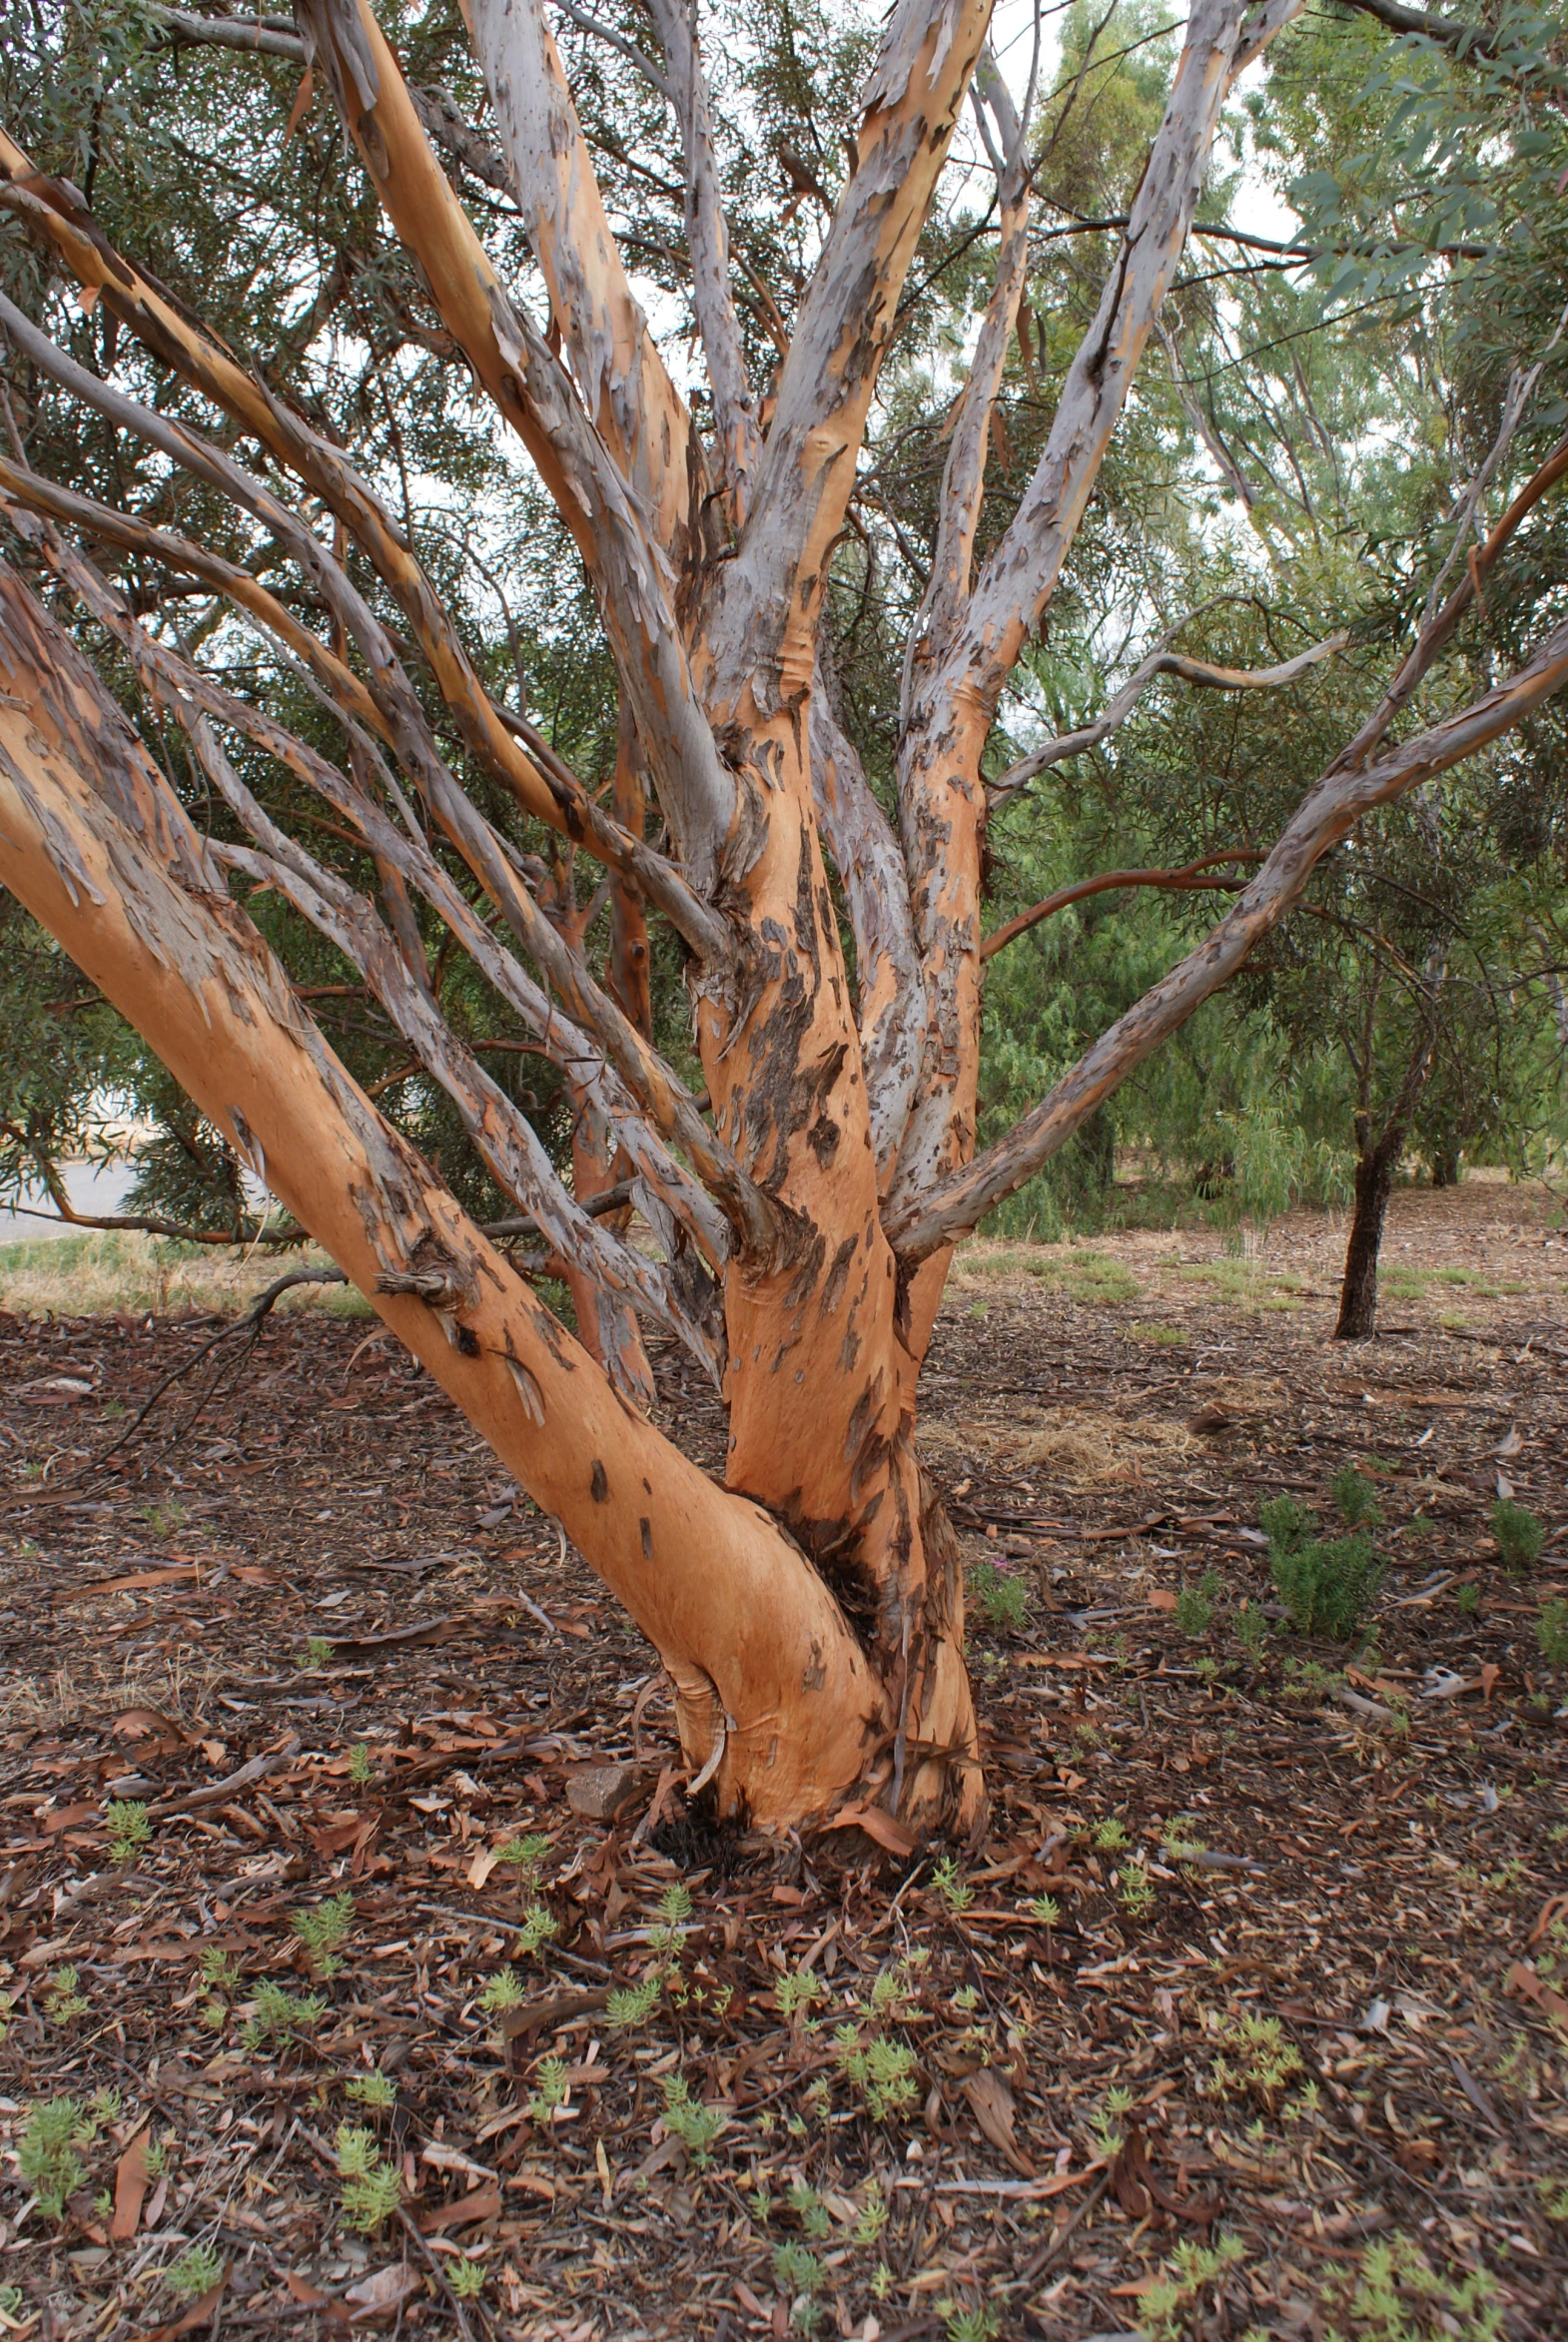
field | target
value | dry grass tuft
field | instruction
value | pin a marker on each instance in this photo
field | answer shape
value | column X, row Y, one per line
column 176, row 1683
column 1084, row 1447
column 102, row 1271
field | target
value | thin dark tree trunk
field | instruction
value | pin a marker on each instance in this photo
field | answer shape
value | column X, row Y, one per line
column 1375, row 1165
column 1374, row 1178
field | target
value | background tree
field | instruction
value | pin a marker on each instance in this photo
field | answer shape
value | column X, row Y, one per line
column 298, row 681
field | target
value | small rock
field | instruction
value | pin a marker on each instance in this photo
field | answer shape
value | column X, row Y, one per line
column 598, row 1790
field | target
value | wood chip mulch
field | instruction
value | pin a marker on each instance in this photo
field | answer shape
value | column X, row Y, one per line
column 1260, row 1964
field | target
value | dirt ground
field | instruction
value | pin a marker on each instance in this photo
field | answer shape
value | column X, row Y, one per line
column 1256, row 1988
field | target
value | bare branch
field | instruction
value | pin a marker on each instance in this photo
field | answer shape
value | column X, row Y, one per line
column 628, row 479
column 707, row 241
column 187, row 30
column 652, row 1085
column 1229, row 469
column 502, row 1135
column 954, row 689
column 963, row 476
column 624, row 383
column 767, row 598
column 1338, row 802
column 1191, row 878
column 1022, row 573
column 1160, row 662
column 891, row 1001
column 56, row 215
column 628, row 48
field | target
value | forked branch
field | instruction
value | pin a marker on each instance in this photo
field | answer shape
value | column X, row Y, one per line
column 1191, row 878
column 1160, row 662
column 1340, row 801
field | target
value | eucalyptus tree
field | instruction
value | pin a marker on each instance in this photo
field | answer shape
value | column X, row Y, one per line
column 805, row 1202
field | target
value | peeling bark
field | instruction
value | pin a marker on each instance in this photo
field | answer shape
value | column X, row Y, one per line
column 810, row 1610
column 93, row 842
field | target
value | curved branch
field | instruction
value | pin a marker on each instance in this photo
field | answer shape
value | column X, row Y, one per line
column 57, row 217
column 1160, row 662
column 94, row 842
column 626, row 477
column 1188, row 879
column 652, row 1084
column 707, row 241
column 1338, row 802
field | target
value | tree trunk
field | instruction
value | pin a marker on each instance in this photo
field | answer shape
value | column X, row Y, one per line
column 796, row 1699
column 810, row 1608
column 1375, row 1168
column 1374, row 1178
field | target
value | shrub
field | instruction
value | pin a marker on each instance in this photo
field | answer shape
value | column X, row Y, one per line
column 1286, row 1523
column 377, row 2090
column 129, row 1829
column 371, row 2188
column 323, row 1930
column 196, row 2273
column 882, row 2071
column 1252, row 1630
column 1194, row 1605
column 1519, row 1534
column 1551, row 1632
column 47, row 2157
column 954, row 1890
column 278, row 2016
column 551, row 2091
column 1003, row 1597
column 695, row 2125
column 1357, row 1501
column 1328, row 1586
column 633, row 2005
column 62, row 1998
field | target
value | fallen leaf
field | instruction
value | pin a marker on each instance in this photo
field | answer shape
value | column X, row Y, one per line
column 129, row 1585
column 130, row 2189
column 68, row 1818
column 199, row 2314
column 483, row 2204
column 992, row 2105
column 1552, row 1909
column 384, row 2292
column 482, row 1866
column 144, row 1723
column 1161, row 1599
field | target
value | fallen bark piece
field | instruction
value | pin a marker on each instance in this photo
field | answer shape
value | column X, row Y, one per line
column 1523, row 1979
column 597, row 1792
column 991, row 2102
column 222, row 1791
